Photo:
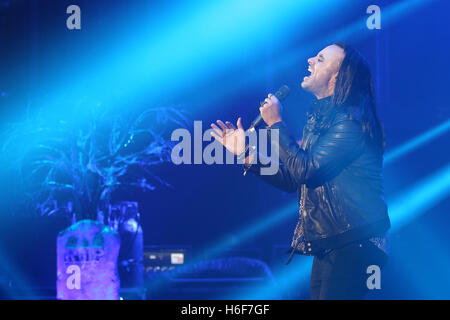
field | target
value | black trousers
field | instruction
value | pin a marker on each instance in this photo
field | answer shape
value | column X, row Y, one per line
column 341, row 274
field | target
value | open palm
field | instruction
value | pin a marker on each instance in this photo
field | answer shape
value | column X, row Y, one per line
column 232, row 138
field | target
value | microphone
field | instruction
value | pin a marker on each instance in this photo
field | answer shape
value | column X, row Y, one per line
column 281, row 94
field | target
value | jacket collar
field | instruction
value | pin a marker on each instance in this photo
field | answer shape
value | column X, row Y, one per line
column 321, row 106
column 319, row 114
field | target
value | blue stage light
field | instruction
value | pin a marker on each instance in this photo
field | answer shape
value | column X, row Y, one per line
column 170, row 51
column 419, row 198
column 417, row 142
column 14, row 282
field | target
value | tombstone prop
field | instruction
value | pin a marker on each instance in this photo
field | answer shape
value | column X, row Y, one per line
column 87, row 254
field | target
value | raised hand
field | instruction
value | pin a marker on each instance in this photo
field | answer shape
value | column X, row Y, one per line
column 271, row 110
column 232, row 138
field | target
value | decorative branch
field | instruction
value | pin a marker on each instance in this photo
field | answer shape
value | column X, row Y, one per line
column 65, row 168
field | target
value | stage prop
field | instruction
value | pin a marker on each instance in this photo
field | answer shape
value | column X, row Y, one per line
column 87, row 254
column 124, row 218
column 167, row 277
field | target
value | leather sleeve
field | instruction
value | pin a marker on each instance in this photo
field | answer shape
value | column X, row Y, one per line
column 281, row 180
column 342, row 143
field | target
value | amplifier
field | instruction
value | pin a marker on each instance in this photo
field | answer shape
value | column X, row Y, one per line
column 160, row 258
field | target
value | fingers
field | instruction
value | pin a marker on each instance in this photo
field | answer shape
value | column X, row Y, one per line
column 239, row 123
column 230, row 125
column 269, row 101
column 273, row 98
column 222, row 125
column 217, row 129
column 219, row 133
column 216, row 136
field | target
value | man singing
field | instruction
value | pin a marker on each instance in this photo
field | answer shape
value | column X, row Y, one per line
column 337, row 172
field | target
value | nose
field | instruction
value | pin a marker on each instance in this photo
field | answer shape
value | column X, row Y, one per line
column 311, row 61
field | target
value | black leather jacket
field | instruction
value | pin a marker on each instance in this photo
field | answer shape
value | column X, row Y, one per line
column 337, row 174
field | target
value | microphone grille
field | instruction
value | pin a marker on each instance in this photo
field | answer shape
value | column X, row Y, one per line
column 283, row 92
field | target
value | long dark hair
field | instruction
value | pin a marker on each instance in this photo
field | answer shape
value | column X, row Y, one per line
column 354, row 86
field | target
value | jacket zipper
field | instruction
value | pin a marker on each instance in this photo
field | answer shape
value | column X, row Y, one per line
column 301, row 209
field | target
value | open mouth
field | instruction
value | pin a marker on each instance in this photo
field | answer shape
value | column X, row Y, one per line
column 310, row 73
